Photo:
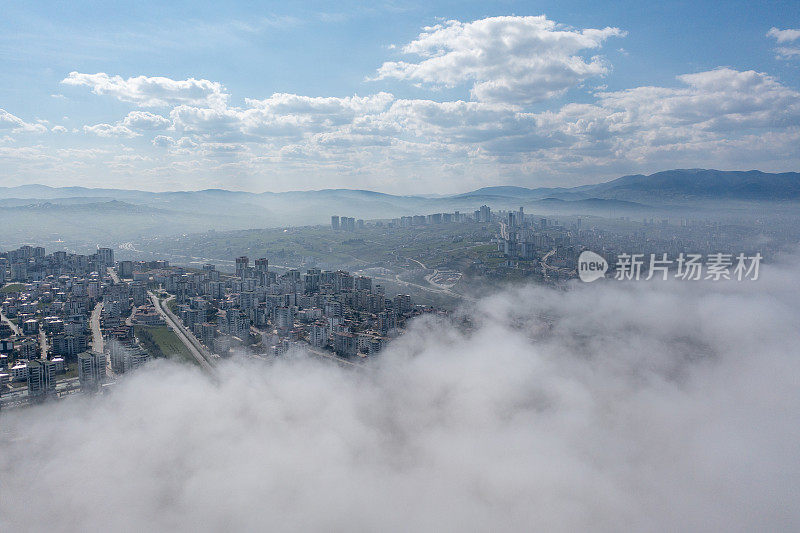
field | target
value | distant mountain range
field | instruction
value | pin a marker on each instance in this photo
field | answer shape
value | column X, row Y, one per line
column 31, row 212
column 677, row 186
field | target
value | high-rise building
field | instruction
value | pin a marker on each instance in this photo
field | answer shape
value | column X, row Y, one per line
column 403, row 303
column 125, row 269
column 124, row 358
column 387, row 323
column 485, row 214
column 284, row 319
column 91, row 370
column 241, row 266
column 105, row 256
column 69, row 345
column 318, row 336
column 262, row 271
column 41, row 378
column 207, row 332
column 334, row 222
column 345, row 344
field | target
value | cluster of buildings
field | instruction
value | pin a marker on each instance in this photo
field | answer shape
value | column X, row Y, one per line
column 346, row 223
column 45, row 307
column 29, row 263
column 67, row 321
column 258, row 310
column 484, row 214
column 548, row 250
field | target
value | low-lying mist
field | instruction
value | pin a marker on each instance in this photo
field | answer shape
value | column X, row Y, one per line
column 607, row 407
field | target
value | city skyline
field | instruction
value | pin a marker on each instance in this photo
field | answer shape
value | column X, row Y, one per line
column 447, row 98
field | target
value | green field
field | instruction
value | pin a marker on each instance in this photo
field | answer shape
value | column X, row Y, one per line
column 12, row 287
column 160, row 341
column 70, row 370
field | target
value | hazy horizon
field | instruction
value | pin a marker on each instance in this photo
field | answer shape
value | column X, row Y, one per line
column 421, row 194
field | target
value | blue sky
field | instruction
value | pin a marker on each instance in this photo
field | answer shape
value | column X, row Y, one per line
column 348, row 94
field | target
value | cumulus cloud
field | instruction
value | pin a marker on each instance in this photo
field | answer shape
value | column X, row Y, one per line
column 716, row 106
column 110, row 130
column 152, row 91
column 717, row 118
column 281, row 115
column 163, row 141
column 607, row 407
column 785, row 36
column 15, row 124
column 505, row 59
column 131, row 126
column 721, row 100
column 144, row 120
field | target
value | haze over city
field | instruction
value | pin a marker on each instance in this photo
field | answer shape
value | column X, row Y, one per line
column 400, row 266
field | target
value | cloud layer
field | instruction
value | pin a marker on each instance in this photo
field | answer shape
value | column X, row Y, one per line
column 507, row 59
column 155, row 91
column 647, row 407
column 507, row 128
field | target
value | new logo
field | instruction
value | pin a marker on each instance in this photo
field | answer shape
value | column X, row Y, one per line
column 591, row 266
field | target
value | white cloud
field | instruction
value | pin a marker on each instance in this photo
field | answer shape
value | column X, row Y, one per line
column 15, row 124
column 155, row 91
column 505, row 59
column 711, row 118
column 717, row 118
column 130, row 126
column 144, row 120
column 786, row 52
column 59, row 129
column 110, row 130
column 163, row 141
column 280, row 116
column 785, row 36
column 717, row 100
column 606, row 407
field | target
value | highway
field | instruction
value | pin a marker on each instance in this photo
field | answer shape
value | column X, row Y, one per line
column 98, row 342
column 185, row 336
column 97, row 333
column 43, row 343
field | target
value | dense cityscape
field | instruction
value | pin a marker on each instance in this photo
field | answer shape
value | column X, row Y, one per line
column 76, row 322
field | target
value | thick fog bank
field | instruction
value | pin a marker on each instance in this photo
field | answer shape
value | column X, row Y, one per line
column 608, row 407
